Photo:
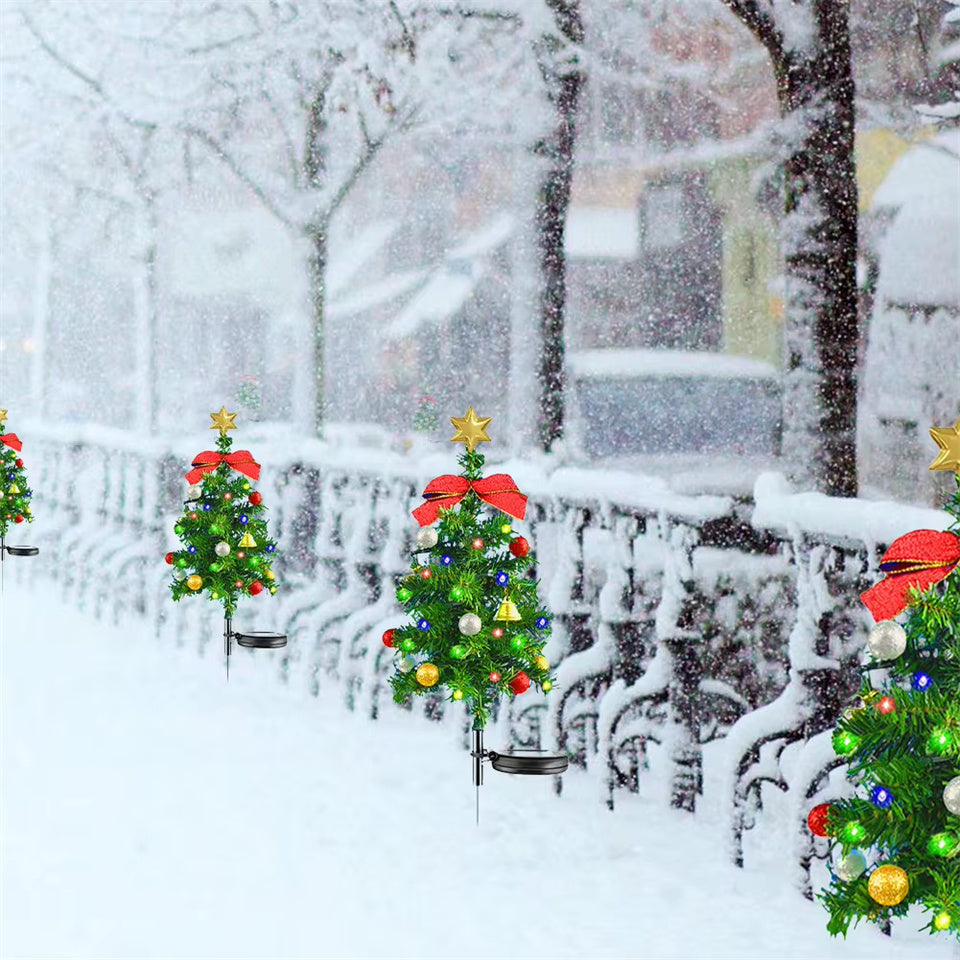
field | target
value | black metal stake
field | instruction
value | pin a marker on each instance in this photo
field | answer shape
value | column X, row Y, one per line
column 3, row 556
column 477, row 753
column 227, row 641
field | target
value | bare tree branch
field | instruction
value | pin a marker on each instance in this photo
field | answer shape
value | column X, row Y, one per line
column 237, row 170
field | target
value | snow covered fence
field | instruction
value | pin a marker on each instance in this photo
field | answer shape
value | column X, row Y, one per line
column 679, row 621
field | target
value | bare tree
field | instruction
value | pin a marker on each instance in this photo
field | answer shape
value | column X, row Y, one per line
column 809, row 46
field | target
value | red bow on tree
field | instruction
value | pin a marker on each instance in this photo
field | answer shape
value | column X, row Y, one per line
column 209, row 460
column 919, row 560
column 11, row 440
column 498, row 490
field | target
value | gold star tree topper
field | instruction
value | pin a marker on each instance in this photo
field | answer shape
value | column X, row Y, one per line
column 948, row 439
column 471, row 429
column 223, row 421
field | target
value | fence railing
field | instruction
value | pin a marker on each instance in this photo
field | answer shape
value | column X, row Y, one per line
column 683, row 626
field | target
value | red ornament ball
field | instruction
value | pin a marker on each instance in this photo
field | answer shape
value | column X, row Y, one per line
column 520, row 683
column 497, row 632
column 169, row 558
column 887, row 705
column 494, row 676
column 519, row 547
column 255, row 498
column 817, row 819
column 388, row 637
column 478, row 544
column 18, row 462
column 255, row 588
column 19, row 518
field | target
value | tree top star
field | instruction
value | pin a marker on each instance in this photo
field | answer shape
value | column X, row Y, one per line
column 223, row 421
column 948, row 439
column 471, row 429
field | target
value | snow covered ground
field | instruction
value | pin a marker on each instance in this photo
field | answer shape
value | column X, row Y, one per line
column 151, row 810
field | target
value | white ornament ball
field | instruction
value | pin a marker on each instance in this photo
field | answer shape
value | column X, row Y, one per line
column 193, row 491
column 887, row 640
column 406, row 664
column 222, row 548
column 179, row 574
column 951, row 796
column 851, row 866
column 470, row 624
column 427, row 538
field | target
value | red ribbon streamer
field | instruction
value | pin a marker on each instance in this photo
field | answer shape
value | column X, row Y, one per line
column 12, row 441
column 241, row 461
column 498, row 490
column 919, row 560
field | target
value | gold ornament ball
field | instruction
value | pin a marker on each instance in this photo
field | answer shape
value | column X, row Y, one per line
column 888, row 884
column 542, row 662
column 194, row 581
column 427, row 674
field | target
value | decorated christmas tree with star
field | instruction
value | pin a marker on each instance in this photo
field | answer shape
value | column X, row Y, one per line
column 227, row 552
column 897, row 842
column 14, row 489
column 477, row 628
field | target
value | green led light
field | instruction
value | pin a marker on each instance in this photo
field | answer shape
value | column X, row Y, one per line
column 845, row 743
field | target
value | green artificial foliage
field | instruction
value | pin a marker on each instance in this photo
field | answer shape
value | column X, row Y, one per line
column 912, row 751
column 215, row 518
column 466, row 584
column 14, row 491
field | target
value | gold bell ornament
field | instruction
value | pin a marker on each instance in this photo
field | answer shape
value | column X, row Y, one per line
column 247, row 541
column 507, row 611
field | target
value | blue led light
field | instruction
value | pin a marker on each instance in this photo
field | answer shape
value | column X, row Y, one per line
column 191, row 549
column 446, row 560
column 269, row 548
column 502, row 578
column 881, row 797
column 243, row 518
column 424, row 625
column 206, row 506
column 921, row 681
column 542, row 623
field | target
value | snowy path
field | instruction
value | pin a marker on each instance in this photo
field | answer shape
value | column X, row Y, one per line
column 150, row 810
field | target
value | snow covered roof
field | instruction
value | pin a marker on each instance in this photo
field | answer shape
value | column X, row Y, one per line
column 377, row 294
column 440, row 297
column 920, row 251
column 666, row 363
column 347, row 258
column 923, row 170
column 602, row 233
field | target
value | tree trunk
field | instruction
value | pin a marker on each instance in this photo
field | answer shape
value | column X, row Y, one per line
column 317, row 266
column 43, row 279
column 564, row 83
column 145, row 293
column 815, row 90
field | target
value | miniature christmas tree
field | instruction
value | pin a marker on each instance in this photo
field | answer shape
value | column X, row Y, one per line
column 14, row 489
column 226, row 551
column 897, row 842
column 477, row 627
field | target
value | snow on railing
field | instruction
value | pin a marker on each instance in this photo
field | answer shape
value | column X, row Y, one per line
column 718, row 635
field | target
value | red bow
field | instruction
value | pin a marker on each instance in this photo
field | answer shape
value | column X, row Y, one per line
column 499, row 491
column 11, row 440
column 209, row 460
column 919, row 560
